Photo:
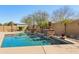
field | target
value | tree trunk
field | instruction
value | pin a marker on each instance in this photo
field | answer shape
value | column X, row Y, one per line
column 65, row 25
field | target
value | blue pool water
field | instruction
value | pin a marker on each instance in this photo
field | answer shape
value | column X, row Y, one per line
column 23, row 40
column 28, row 40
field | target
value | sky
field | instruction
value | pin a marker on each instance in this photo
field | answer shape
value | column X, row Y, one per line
column 15, row 13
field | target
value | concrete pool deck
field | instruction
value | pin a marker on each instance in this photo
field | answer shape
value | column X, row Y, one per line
column 48, row 49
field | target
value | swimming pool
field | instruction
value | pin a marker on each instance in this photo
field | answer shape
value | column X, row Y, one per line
column 24, row 39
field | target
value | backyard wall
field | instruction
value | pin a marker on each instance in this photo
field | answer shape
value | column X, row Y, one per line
column 59, row 28
column 8, row 28
column 72, row 28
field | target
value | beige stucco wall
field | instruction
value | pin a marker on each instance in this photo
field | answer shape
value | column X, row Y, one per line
column 7, row 28
column 72, row 28
column 59, row 28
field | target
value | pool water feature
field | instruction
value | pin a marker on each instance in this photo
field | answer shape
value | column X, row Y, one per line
column 24, row 39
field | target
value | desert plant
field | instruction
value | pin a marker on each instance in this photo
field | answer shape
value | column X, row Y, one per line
column 63, row 15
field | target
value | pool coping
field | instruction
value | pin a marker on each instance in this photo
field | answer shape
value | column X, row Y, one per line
column 2, row 35
column 47, row 49
column 1, row 38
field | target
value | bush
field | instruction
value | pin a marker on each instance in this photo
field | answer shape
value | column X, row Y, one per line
column 20, row 28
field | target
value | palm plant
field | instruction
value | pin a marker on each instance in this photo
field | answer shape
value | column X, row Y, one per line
column 64, row 15
column 66, row 22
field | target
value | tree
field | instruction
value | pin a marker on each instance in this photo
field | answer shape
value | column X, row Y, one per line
column 11, row 24
column 27, row 20
column 39, row 18
column 63, row 15
column 0, row 24
column 66, row 22
column 5, row 24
